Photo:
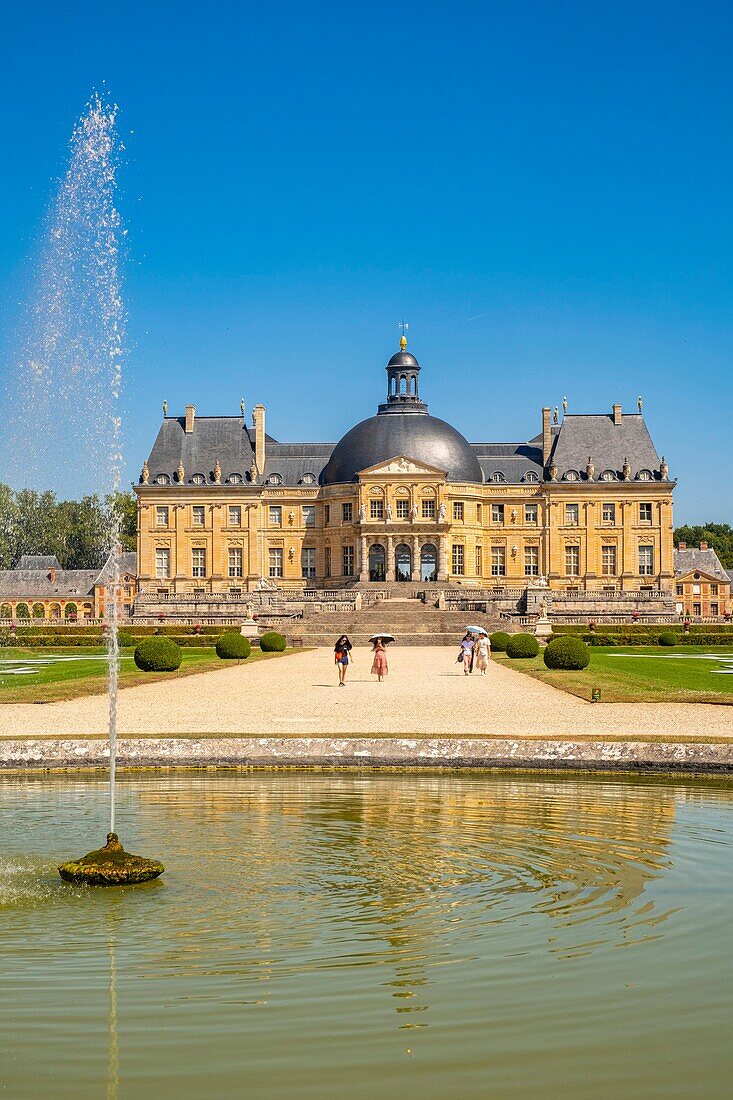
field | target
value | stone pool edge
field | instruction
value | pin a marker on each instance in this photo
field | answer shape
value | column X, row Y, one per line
column 367, row 752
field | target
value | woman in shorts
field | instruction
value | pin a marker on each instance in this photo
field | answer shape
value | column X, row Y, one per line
column 342, row 652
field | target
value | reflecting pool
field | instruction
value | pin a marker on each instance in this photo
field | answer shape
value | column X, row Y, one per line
column 370, row 936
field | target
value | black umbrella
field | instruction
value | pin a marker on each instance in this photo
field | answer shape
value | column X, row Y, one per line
column 386, row 638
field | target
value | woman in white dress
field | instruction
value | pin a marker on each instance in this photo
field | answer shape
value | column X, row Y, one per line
column 482, row 652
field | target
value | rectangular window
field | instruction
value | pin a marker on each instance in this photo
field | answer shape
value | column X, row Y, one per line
column 327, row 561
column 162, row 562
column 498, row 561
column 276, row 561
column 235, row 561
column 713, row 590
column 346, row 513
column 697, row 589
column 199, row 515
column 680, row 590
column 326, row 514
column 608, row 513
column 309, row 515
column 645, row 512
column 458, row 511
column 308, row 561
column 713, row 609
column 479, row 513
column 479, row 561
column 646, row 561
column 376, row 509
column 608, row 560
column 428, row 509
column 403, row 508
column 696, row 609
column 531, row 514
column 572, row 561
column 572, row 512
column 276, row 516
column 161, row 515
column 531, row 561
column 457, row 559
column 348, row 561
column 235, row 515
column 198, row 561
column 497, row 513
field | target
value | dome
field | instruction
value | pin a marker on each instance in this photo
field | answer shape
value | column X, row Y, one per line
column 419, row 436
column 403, row 359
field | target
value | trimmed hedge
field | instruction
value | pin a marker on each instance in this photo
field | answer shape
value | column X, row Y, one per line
column 233, row 646
column 522, row 645
column 158, row 655
column 667, row 637
column 125, row 640
column 632, row 640
column 499, row 640
column 272, row 642
column 568, row 653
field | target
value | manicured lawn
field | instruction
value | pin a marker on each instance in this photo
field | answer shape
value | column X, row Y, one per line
column 683, row 674
column 48, row 676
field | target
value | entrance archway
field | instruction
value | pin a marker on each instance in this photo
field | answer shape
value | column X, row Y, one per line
column 429, row 562
column 403, row 562
column 377, row 562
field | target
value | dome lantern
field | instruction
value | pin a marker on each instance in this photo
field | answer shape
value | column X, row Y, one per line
column 403, row 387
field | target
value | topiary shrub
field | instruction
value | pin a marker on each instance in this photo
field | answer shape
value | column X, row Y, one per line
column 158, row 655
column 522, row 645
column 499, row 640
column 233, row 646
column 272, row 642
column 125, row 640
column 567, row 652
column 667, row 637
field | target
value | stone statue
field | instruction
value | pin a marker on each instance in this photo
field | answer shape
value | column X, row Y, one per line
column 180, row 473
column 217, row 473
column 541, row 581
column 145, row 474
column 441, row 513
column 291, row 518
column 362, row 514
column 389, row 512
column 413, row 512
column 253, row 472
column 543, row 608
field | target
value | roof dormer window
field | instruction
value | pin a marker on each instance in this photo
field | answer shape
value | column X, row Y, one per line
column 198, row 479
column 235, row 479
column 162, row 479
column 572, row 475
column 531, row 477
column 644, row 475
column 309, row 479
column 607, row 475
column 498, row 476
column 274, row 479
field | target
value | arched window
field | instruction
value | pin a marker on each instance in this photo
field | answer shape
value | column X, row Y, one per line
column 235, row 479
column 309, row 479
column 607, row 475
column 572, row 475
column 403, row 384
column 274, row 479
column 162, row 479
column 498, row 476
column 531, row 477
column 198, row 479
column 644, row 475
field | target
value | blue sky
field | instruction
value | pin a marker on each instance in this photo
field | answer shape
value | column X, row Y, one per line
column 542, row 190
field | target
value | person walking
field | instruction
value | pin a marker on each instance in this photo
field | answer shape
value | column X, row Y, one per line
column 342, row 657
column 379, row 663
column 482, row 652
column 466, row 654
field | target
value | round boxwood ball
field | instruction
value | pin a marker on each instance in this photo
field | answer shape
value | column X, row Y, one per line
column 158, row 654
column 272, row 642
column 233, row 646
column 522, row 645
column 567, row 652
column 499, row 640
column 667, row 637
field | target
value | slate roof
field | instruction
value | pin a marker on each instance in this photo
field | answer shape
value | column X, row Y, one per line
column 513, row 460
column 293, row 460
column 128, row 564
column 31, row 583
column 607, row 444
column 38, row 561
column 730, row 577
column 693, row 560
column 225, row 439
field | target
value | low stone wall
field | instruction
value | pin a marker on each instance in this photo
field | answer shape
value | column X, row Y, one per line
column 361, row 752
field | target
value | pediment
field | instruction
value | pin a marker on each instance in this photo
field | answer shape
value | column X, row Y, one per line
column 402, row 464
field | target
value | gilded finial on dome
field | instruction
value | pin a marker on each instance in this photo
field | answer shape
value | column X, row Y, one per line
column 403, row 338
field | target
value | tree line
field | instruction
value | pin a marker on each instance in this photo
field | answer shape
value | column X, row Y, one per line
column 719, row 536
column 76, row 531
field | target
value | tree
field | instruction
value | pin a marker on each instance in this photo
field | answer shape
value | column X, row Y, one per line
column 719, row 536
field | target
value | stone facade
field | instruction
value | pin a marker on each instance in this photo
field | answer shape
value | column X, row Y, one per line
column 39, row 589
column 702, row 586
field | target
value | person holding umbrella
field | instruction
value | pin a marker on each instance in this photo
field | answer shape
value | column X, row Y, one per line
column 379, row 662
column 342, row 655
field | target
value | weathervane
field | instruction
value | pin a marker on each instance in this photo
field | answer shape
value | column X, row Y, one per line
column 403, row 326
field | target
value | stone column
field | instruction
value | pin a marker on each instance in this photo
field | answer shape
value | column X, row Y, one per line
column 415, row 558
column 390, row 559
column 363, row 559
column 442, row 558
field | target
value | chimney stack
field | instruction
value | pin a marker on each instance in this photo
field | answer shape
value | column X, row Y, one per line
column 617, row 414
column 190, row 417
column 546, row 436
column 703, row 546
column 258, row 420
column 681, row 545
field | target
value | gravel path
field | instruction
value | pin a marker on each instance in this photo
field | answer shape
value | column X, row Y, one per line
column 425, row 693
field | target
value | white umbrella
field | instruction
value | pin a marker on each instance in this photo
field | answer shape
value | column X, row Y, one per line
column 476, row 630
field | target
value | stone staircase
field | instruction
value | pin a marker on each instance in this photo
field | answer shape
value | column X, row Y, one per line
column 412, row 622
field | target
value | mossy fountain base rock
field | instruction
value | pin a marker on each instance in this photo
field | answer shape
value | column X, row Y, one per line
column 110, row 866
